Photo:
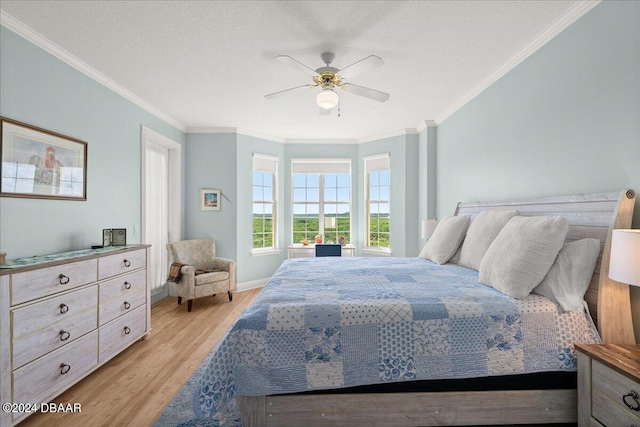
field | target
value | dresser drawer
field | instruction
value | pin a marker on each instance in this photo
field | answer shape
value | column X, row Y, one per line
column 123, row 285
column 120, row 333
column 31, row 285
column 609, row 389
column 47, row 325
column 111, row 309
column 113, row 265
column 48, row 376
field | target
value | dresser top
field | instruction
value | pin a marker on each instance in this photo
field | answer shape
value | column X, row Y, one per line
column 39, row 261
column 624, row 358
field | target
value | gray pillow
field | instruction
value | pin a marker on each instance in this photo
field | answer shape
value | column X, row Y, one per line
column 481, row 233
column 446, row 239
column 570, row 275
column 522, row 254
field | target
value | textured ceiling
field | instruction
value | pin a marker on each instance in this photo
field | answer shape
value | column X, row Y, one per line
column 208, row 64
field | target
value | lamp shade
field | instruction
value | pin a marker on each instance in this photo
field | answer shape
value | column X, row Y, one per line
column 327, row 99
column 329, row 222
column 624, row 266
column 428, row 227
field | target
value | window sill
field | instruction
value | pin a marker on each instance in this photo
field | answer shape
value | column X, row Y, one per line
column 377, row 251
column 266, row 251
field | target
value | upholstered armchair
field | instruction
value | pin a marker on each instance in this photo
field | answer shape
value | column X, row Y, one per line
column 203, row 274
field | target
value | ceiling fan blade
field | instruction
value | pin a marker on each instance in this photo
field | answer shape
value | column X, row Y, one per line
column 285, row 59
column 324, row 111
column 366, row 64
column 376, row 95
column 283, row 92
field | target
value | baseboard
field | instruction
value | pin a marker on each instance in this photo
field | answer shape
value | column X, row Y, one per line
column 252, row 284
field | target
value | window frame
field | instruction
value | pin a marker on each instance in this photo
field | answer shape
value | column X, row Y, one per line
column 262, row 162
column 371, row 164
column 331, row 166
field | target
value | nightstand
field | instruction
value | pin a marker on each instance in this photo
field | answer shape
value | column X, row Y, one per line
column 608, row 385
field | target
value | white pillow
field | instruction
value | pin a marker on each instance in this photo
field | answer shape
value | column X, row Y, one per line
column 570, row 275
column 446, row 239
column 481, row 233
column 522, row 254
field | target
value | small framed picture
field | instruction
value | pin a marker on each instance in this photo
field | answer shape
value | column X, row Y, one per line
column 341, row 240
column 118, row 237
column 210, row 199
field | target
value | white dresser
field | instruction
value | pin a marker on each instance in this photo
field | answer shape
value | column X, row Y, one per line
column 64, row 315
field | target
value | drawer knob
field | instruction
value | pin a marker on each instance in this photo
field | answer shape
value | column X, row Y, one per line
column 64, row 368
column 64, row 308
column 632, row 400
column 127, row 285
column 127, row 306
column 127, row 263
column 64, row 335
column 63, row 279
column 127, row 330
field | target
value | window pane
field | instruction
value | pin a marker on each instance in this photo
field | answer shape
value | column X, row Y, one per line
column 257, row 193
column 343, row 210
column 374, row 179
column 299, row 195
column 268, row 208
column 257, row 178
column 384, row 177
column 330, row 209
column 299, row 180
column 313, row 180
column 313, row 209
column 257, row 208
column 383, row 208
column 330, row 195
column 330, row 180
column 343, row 180
column 313, row 194
column 373, row 209
column 374, row 193
column 343, row 195
column 299, row 209
column 384, row 192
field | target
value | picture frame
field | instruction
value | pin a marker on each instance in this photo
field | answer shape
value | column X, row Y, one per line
column 41, row 164
column 210, row 199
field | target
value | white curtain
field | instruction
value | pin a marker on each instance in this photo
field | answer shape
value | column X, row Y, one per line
column 156, row 212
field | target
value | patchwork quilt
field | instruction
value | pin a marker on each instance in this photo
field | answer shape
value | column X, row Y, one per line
column 323, row 323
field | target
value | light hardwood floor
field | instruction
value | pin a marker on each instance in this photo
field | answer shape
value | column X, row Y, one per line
column 135, row 387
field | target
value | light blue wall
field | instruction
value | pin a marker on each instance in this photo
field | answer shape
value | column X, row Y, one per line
column 565, row 121
column 38, row 89
column 426, row 176
column 211, row 163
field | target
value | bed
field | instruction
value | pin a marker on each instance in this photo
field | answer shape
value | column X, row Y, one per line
column 324, row 325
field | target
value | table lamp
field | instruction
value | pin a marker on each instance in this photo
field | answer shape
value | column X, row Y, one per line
column 624, row 266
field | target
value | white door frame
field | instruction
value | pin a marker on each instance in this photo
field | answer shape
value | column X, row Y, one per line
column 175, row 180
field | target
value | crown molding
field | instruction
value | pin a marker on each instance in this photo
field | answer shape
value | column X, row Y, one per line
column 48, row 46
column 237, row 131
column 320, row 141
column 425, row 124
column 401, row 132
column 572, row 15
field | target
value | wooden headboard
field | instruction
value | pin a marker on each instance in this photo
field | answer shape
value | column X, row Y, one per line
column 594, row 216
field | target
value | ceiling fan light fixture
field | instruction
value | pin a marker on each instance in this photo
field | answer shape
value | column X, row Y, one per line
column 327, row 99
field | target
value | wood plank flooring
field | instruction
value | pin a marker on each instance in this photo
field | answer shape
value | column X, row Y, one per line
column 135, row 387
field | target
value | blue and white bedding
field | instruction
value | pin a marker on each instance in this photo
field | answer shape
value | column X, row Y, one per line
column 323, row 323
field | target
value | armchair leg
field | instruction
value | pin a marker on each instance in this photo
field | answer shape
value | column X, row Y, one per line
column 230, row 296
column 189, row 305
column 179, row 300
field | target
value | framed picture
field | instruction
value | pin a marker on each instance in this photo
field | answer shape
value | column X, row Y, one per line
column 37, row 163
column 210, row 199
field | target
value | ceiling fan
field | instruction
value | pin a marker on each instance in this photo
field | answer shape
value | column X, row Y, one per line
column 329, row 78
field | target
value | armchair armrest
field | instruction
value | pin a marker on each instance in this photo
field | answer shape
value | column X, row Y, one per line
column 229, row 265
